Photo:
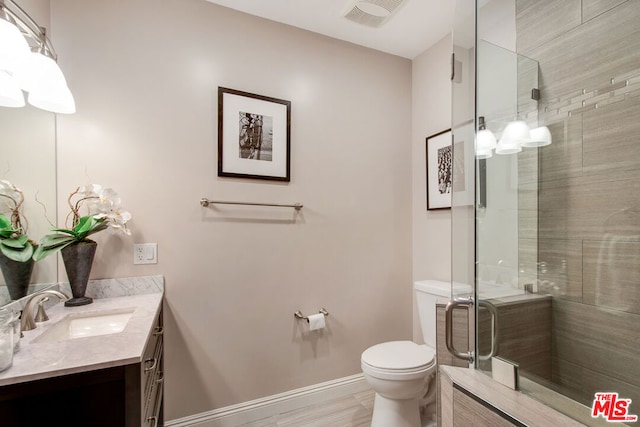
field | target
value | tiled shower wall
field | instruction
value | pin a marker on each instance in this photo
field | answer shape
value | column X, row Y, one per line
column 588, row 189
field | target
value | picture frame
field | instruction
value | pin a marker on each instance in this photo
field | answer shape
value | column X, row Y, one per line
column 254, row 136
column 465, row 166
column 439, row 171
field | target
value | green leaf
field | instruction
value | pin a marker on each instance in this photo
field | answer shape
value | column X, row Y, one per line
column 102, row 225
column 53, row 240
column 84, row 225
column 6, row 229
column 17, row 243
column 20, row 255
column 5, row 222
column 64, row 230
column 89, row 225
column 40, row 253
column 43, row 252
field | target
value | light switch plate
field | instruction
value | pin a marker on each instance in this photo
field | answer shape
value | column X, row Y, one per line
column 505, row 372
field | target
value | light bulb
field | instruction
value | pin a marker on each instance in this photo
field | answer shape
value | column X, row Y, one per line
column 484, row 154
column 10, row 93
column 56, row 99
column 42, row 78
column 13, row 45
column 508, row 146
column 513, row 136
column 538, row 137
column 486, row 140
column 32, row 69
column 516, row 131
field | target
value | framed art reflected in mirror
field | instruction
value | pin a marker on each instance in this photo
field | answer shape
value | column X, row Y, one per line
column 439, row 170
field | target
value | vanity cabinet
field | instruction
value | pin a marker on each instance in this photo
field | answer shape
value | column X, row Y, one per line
column 144, row 396
column 129, row 395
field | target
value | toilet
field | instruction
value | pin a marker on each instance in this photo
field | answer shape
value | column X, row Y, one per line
column 402, row 373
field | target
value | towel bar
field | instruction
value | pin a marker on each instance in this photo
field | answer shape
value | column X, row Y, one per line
column 206, row 202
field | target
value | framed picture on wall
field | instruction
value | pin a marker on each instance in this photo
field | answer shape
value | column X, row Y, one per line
column 465, row 178
column 439, row 170
column 254, row 138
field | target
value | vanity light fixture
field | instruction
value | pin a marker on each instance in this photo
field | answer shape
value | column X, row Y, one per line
column 513, row 135
column 517, row 135
column 485, row 140
column 13, row 45
column 28, row 63
column 538, row 137
column 10, row 93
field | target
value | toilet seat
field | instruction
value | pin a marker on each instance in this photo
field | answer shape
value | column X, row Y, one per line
column 399, row 360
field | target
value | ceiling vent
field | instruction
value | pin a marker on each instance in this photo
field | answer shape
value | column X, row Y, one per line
column 372, row 13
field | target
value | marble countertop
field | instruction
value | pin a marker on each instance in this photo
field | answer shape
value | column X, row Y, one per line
column 38, row 360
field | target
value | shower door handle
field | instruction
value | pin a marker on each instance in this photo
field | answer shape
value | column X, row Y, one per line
column 494, row 329
column 448, row 312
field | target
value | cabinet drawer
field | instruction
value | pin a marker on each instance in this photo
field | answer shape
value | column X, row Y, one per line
column 151, row 362
column 154, row 402
column 152, row 371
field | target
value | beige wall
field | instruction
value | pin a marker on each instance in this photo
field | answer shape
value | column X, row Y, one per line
column 431, row 113
column 39, row 10
column 145, row 78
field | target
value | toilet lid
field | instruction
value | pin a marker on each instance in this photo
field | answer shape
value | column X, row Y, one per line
column 398, row 355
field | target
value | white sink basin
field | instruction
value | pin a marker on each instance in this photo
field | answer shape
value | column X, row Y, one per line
column 82, row 325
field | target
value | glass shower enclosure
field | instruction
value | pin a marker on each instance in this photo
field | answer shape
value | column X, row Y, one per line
column 546, row 227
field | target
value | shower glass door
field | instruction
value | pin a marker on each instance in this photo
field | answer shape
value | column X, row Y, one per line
column 463, row 188
column 556, row 227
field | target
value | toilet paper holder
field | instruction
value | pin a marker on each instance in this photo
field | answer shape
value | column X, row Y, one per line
column 298, row 314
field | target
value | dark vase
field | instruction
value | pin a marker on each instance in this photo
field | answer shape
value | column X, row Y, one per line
column 78, row 259
column 17, row 276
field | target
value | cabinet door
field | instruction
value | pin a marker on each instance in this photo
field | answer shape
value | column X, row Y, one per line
column 88, row 399
column 467, row 411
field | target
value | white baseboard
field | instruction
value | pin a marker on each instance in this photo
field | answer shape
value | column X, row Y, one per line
column 253, row 410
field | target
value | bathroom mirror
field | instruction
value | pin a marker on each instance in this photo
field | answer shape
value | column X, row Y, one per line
column 28, row 160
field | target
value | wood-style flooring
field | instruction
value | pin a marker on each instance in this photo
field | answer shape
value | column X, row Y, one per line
column 350, row 411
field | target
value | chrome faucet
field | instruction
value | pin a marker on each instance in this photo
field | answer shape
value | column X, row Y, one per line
column 27, row 323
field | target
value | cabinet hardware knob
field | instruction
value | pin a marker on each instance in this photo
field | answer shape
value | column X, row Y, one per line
column 153, row 361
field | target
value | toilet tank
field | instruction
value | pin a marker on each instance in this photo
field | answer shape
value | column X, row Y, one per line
column 428, row 293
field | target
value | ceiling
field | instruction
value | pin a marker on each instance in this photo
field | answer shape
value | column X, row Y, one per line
column 415, row 26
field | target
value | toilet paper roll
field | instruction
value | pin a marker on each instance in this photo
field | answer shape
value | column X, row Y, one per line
column 316, row 321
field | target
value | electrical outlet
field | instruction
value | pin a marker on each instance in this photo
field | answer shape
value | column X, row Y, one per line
column 145, row 253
